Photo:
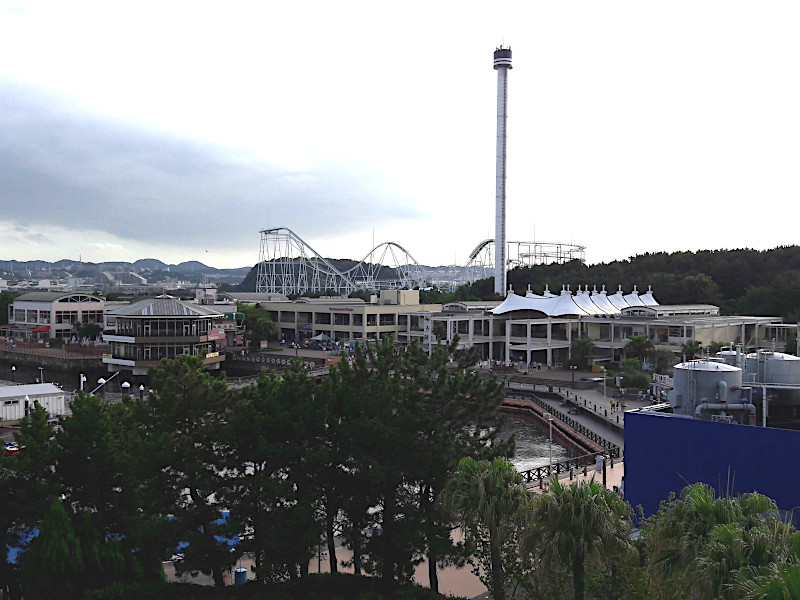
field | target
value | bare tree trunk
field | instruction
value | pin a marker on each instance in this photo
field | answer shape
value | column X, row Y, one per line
column 433, row 575
column 387, row 541
column 498, row 592
column 356, row 542
column 331, row 541
column 578, row 577
column 216, row 571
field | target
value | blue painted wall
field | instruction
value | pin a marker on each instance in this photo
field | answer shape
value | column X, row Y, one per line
column 664, row 454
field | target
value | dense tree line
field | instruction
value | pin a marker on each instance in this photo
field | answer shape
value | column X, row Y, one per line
column 363, row 454
column 757, row 282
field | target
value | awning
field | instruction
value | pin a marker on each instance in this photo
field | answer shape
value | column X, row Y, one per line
column 41, row 329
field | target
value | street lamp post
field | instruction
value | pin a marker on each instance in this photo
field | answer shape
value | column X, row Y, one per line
column 41, row 374
column 126, row 388
column 13, row 373
column 549, row 418
column 83, row 380
column 572, row 369
column 141, row 391
column 100, row 383
column 604, row 382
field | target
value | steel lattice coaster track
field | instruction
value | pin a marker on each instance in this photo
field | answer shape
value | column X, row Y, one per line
column 288, row 265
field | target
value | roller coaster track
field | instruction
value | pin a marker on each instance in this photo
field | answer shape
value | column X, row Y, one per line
column 287, row 264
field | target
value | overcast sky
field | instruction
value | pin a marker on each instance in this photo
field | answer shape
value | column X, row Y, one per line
column 179, row 130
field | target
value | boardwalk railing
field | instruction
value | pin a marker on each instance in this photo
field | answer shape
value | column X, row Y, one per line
column 613, row 449
column 274, row 361
column 570, row 466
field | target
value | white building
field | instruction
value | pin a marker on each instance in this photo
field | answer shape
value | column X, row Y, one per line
column 15, row 399
column 540, row 328
column 45, row 315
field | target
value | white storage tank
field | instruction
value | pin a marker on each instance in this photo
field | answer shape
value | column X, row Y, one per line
column 698, row 381
column 729, row 357
column 774, row 367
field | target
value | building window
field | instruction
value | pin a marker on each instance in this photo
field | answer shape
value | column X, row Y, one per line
column 358, row 320
column 372, row 320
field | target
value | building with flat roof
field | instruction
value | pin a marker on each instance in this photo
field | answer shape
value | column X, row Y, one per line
column 15, row 400
column 346, row 319
column 163, row 327
column 46, row 315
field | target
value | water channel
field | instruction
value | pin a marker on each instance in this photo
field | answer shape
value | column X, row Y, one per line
column 532, row 443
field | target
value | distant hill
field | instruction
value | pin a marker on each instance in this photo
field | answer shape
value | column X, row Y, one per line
column 150, row 263
column 192, row 266
column 147, row 266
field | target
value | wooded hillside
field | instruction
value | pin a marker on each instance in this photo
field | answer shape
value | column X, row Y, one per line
column 752, row 282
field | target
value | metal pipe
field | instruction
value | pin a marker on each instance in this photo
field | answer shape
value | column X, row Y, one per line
column 764, row 406
column 703, row 406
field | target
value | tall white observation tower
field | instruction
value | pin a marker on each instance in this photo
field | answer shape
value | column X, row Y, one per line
column 502, row 64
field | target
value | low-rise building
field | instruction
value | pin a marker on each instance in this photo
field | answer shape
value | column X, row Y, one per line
column 45, row 315
column 163, row 327
column 15, row 400
column 540, row 328
column 347, row 319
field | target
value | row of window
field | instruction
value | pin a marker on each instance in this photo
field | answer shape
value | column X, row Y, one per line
column 158, row 351
column 61, row 316
column 344, row 320
column 163, row 327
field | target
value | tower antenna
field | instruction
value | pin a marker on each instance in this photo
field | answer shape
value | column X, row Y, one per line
column 502, row 64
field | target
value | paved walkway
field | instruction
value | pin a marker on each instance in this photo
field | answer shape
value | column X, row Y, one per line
column 589, row 407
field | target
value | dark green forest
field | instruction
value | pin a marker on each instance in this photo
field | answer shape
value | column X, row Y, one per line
column 752, row 282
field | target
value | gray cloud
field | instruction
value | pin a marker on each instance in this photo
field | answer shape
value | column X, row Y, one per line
column 61, row 167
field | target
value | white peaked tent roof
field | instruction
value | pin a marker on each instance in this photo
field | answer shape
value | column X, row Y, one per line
column 530, row 294
column 584, row 301
column 581, row 304
column 633, row 298
column 647, row 298
column 600, row 300
column 618, row 300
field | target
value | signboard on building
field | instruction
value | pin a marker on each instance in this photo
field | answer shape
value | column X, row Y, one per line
column 662, row 380
column 212, row 354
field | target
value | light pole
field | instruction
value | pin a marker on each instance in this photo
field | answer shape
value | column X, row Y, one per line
column 41, row 374
column 549, row 418
column 100, row 383
column 141, row 391
column 604, row 382
column 572, row 369
column 83, row 380
column 13, row 373
column 126, row 388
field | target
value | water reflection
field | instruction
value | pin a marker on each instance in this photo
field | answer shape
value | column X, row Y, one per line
column 532, row 449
